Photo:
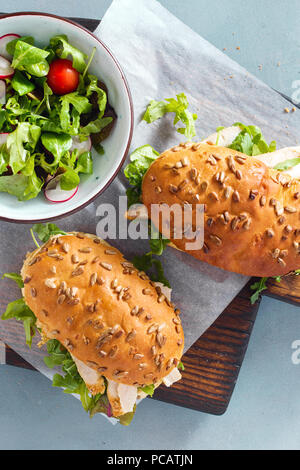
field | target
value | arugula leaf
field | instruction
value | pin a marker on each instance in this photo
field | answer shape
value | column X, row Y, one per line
column 45, row 231
column 157, row 241
column 287, row 164
column 63, row 49
column 81, row 105
column 258, row 287
column 21, row 84
column 251, row 141
column 157, row 109
column 149, row 389
column 141, row 159
column 147, row 263
column 96, row 126
column 159, row 276
column 70, row 381
column 101, row 94
column 46, row 98
column 15, row 277
column 21, row 312
column 133, row 195
column 30, row 58
column 56, row 144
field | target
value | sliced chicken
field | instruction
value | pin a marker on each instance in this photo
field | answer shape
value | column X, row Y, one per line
column 224, row 137
column 173, row 377
column 122, row 398
column 164, row 290
column 92, row 378
column 279, row 156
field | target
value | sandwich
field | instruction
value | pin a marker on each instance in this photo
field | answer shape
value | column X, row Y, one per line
column 249, row 193
column 116, row 326
column 251, row 210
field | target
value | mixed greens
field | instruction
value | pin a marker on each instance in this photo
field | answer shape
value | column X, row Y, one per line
column 54, row 111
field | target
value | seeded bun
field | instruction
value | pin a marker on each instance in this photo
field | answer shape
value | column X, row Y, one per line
column 106, row 313
column 251, row 220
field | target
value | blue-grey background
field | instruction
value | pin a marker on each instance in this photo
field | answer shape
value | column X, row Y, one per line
column 264, row 412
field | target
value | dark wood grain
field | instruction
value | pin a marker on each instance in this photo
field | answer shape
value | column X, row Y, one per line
column 288, row 289
column 213, row 363
column 13, row 358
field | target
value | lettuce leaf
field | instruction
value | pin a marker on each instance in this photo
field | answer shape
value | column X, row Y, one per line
column 23, row 138
column 152, row 266
column 157, row 109
column 22, row 186
column 70, row 380
column 45, row 231
column 15, row 277
column 56, row 144
column 141, row 159
column 21, row 84
column 10, row 47
column 93, row 127
column 149, row 389
column 60, row 44
column 251, row 141
column 287, row 164
column 30, row 58
column 21, row 312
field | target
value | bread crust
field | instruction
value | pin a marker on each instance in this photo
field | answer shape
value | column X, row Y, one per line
column 251, row 220
column 104, row 311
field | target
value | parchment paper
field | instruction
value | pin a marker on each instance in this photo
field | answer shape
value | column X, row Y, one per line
column 161, row 57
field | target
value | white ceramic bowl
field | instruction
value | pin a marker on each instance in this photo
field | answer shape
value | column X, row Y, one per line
column 42, row 27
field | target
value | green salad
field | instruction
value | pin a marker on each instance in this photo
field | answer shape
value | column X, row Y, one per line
column 53, row 111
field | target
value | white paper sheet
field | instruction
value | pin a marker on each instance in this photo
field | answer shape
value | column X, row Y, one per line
column 161, row 57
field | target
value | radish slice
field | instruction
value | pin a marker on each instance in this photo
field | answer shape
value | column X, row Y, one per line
column 3, row 137
column 4, row 40
column 54, row 193
column 2, row 92
column 82, row 147
column 6, row 69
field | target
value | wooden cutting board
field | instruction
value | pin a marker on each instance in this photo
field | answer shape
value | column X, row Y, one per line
column 213, row 363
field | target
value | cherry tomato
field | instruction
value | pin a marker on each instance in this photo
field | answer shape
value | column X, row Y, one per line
column 62, row 77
